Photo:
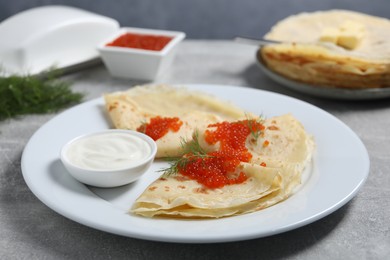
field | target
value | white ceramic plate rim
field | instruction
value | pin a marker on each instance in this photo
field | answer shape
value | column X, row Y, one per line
column 340, row 167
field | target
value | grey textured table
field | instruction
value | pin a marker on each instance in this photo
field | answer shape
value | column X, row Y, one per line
column 359, row 230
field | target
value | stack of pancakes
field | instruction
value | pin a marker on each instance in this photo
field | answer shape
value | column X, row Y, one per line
column 334, row 48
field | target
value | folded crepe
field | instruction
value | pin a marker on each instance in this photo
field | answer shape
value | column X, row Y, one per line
column 279, row 156
column 335, row 48
column 137, row 106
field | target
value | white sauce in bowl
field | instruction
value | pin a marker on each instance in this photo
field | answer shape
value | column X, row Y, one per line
column 108, row 151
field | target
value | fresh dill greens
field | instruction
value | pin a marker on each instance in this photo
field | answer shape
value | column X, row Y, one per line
column 255, row 133
column 21, row 95
column 192, row 151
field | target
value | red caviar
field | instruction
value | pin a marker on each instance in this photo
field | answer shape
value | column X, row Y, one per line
column 212, row 172
column 159, row 126
column 141, row 41
column 219, row 168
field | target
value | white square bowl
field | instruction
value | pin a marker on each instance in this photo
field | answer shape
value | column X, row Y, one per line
column 134, row 63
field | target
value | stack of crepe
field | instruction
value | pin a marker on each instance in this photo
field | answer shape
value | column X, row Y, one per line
column 274, row 171
column 334, row 48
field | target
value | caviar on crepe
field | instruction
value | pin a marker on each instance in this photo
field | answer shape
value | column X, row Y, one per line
column 219, row 168
column 159, row 126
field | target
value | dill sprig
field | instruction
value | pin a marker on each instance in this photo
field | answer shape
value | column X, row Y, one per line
column 21, row 95
column 255, row 132
column 192, row 151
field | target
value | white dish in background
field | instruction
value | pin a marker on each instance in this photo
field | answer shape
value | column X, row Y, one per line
column 131, row 63
column 340, row 167
column 326, row 92
column 41, row 38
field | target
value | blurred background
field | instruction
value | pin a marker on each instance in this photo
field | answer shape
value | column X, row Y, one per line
column 202, row 19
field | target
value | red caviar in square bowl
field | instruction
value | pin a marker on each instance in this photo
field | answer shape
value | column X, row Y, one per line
column 138, row 53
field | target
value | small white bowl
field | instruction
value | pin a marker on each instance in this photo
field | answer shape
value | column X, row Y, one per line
column 108, row 158
column 132, row 63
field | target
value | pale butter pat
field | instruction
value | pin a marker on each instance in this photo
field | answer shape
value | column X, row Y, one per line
column 351, row 34
column 329, row 35
column 348, row 35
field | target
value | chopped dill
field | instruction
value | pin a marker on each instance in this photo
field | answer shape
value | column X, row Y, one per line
column 192, row 151
column 22, row 95
column 255, row 131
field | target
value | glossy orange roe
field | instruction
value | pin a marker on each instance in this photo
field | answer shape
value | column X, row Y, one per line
column 141, row 41
column 159, row 126
column 219, row 168
column 212, row 172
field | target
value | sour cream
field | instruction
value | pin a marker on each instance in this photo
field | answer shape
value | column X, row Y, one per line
column 108, row 151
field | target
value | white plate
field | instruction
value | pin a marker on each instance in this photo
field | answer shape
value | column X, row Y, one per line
column 340, row 167
column 327, row 92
